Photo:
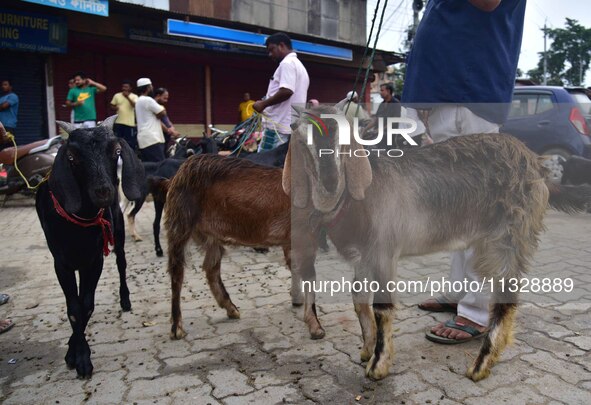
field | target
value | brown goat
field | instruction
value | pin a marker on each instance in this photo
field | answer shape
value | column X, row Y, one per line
column 218, row 201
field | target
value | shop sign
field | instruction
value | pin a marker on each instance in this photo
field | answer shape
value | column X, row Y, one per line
column 32, row 32
column 97, row 7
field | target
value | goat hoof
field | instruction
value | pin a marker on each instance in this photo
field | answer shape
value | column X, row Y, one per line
column 177, row 333
column 297, row 304
column 377, row 369
column 84, row 366
column 125, row 305
column 70, row 359
column 477, row 376
column 136, row 238
column 159, row 252
column 317, row 334
column 233, row 313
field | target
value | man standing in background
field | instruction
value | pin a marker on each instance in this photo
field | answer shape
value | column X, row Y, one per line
column 81, row 100
column 245, row 107
column 124, row 103
column 8, row 107
column 287, row 87
column 149, row 114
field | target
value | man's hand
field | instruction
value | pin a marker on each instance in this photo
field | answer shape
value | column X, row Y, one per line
column 99, row 87
column 173, row 132
column 259, row 106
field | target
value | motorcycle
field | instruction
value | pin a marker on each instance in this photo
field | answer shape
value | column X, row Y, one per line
column 183, row 147
column 34, row 161
column 230, row 140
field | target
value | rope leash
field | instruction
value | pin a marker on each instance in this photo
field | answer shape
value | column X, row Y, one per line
column 87, row 223
column 11, row 138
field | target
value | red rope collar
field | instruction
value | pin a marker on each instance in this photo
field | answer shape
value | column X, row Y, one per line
column 86, row 223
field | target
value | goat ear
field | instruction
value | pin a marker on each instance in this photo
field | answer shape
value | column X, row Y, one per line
column 109, row 122
column 133, row 178
column 299, row 110
column 62, row 182
column 295, row 181
column 66, row 126
column 358, row 173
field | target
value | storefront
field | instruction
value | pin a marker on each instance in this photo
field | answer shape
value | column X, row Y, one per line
column 27, row 40
column 205, row 78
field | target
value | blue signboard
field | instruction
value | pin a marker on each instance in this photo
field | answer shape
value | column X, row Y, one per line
column 98, row 7
column 220, row 34
column 32, row 32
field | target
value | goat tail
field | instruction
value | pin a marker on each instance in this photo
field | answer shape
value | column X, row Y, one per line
column 569, row 199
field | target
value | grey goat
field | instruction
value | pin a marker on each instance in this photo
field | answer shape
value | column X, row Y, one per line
column 487, row 192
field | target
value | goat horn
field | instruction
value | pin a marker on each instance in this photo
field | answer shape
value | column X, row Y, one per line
column 109, row 122
column 2, row 131
column 66, row 126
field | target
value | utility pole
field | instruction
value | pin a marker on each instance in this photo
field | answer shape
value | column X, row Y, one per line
column 545, row 56
column 417, row 6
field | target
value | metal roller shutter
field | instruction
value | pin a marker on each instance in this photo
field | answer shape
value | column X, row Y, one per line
column 27, row 74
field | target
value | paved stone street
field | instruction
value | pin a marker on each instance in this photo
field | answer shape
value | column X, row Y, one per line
column 266, row 357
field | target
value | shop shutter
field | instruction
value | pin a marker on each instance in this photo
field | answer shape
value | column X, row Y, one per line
column 27, row 74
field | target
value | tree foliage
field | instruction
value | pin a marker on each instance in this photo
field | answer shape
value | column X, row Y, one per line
column 568, row 56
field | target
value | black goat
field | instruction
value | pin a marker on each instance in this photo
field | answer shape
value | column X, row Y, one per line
column 79, row 213
column 164, row 170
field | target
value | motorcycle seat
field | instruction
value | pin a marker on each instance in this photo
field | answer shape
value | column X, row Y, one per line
column 7, row 155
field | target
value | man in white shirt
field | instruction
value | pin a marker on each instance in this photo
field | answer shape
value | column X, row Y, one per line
column 149, row 114
column 288, row 86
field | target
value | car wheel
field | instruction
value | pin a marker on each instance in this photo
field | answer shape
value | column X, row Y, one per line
column 555, row 158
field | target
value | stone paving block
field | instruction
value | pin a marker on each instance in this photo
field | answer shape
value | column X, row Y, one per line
column 324, row 390
column 268, row 396
column 199, row 395
column 142, row 365
column 106, row 388
column 553, row 387
column 432, row 396
column 519, row 395
column 161, row 386
column 68, row 392
column 568, row 371
column 228, row 382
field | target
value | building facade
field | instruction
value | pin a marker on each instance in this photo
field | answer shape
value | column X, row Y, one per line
column 206, row 74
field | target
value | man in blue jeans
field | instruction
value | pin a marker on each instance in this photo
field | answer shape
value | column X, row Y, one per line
column 287, row 87
column 461, row 74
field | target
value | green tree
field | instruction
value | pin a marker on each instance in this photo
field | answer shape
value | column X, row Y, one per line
column 568, row 57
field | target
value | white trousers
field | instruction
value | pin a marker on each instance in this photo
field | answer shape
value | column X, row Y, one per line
column 447, row 121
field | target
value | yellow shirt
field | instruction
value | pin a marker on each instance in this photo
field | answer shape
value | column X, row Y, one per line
column 125, row 111
column 245, row 109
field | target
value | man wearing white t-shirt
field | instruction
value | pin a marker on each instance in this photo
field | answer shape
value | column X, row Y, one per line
column 287, row 87
column 149, row 114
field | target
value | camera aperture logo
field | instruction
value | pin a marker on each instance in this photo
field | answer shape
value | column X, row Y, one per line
column 393, row 126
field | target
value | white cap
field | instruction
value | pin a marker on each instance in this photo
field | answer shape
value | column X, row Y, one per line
column 144, row 81
column 351, row 95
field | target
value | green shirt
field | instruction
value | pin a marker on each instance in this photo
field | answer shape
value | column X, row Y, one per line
column 87, row 110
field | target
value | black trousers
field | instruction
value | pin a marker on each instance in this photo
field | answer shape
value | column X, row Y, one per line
column 128, row 133
column 153, row 153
